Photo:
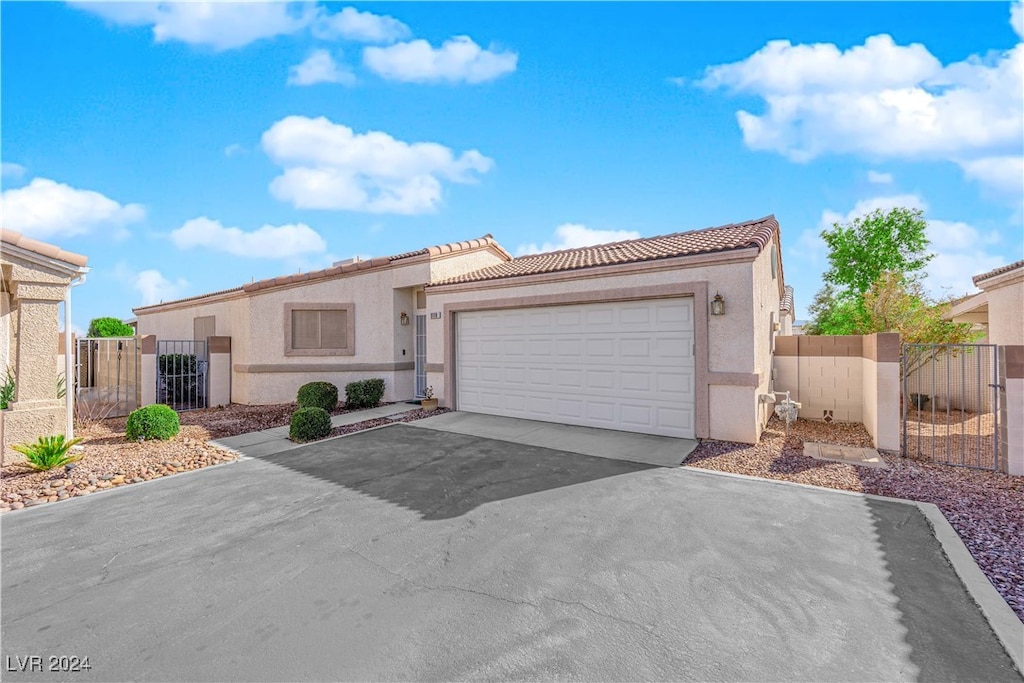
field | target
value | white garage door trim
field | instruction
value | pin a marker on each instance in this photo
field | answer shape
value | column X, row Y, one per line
column 626, row 365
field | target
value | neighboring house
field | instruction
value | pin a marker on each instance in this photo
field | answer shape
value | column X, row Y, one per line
column 669, row 335
column 36, row 279
column 355, row 320
column 998, row 310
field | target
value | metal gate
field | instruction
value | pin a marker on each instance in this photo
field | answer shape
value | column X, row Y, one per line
column 420, row 356
column 951, row 404
column 182, row 380
column 107, row 371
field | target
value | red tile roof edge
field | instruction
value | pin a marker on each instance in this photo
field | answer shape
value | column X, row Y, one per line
column 16, row 239
column 374, row 263
column 759, row 240
column 997, row 271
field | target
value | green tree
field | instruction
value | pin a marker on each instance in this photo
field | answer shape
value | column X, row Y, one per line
column 860, row 252
column 109, row 327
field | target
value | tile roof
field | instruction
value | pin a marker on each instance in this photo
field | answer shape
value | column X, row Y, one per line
column 786, row 305
column 368, row 264
column 755, row 233
column 998, row 271
column 16, row 239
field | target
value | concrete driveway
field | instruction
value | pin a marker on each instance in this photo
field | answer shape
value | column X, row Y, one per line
column 412, row 554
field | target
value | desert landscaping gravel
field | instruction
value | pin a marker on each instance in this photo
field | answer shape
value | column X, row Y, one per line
column 110, row 460
column 986, row 508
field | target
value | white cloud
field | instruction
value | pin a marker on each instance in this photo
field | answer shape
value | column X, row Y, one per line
column 1004, row 174
column 329, row 166
column 865, row 206
column 320, row 67
column 878, row 178
column 458, row 59
column 269, row 241
column 45, row 208
column 11, row 170
column 219, row 25
column 1017, row 18
column 574, row 235
column 365, row 27
column 879, row 100
column 234, row 149
column 152, row 286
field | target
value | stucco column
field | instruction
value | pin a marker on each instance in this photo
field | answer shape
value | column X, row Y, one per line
column 147, row 373
column 1011, row 409
column 38, row 309
column 219, row 371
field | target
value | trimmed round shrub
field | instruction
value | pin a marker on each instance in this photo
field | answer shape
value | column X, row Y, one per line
column 318, row 395
column 310, row 424
column 152, row 422
column 366, row 393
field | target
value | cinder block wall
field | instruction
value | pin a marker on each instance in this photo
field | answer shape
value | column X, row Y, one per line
column 843, row 378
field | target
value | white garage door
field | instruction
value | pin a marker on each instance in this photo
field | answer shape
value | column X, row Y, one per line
column 625, row 365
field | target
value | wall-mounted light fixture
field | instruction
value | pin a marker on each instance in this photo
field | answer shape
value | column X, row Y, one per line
column 404, row 318
column 718, row 305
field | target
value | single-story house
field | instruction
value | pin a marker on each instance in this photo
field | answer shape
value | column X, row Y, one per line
column 998, row 310
column 36, row 278
column 669, row 335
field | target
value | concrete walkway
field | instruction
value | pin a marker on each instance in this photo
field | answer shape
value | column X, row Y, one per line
column 646, row 449
column 269, row 441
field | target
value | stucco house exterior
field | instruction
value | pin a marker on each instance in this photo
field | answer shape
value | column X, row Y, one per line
column 36, row 278
column 998, row 310
column 669, row 335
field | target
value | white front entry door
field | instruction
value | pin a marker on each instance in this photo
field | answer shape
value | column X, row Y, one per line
column 625, row 365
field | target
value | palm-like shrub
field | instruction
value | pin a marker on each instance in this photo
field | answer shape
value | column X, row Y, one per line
column 48, row 452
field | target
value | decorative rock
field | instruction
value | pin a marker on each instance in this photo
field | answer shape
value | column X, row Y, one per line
column 16, row 505
column 137, row 480
column 63, row 495
column 119, row 479
column 27, row 493
column 46, row 493
column 92, row 481
column 51, row 499
column 106, row 477
column 12, row 497
column 90, row 488
column 35, row 501
column 105, row 484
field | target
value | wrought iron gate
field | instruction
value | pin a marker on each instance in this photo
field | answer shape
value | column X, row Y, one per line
column 951, row 404
column 182, row 380
column 106, row 382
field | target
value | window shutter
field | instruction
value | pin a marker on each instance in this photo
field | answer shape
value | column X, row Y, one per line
column 305, row 329
column 333, row 329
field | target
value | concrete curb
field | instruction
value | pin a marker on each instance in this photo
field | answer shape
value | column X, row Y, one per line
column 1001, row 619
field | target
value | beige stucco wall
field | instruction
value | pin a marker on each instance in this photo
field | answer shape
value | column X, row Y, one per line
column 232, row 316
column 1006, row 313
column 731, row 344
column 453, row 265
column 764, row 313
column 30, row 320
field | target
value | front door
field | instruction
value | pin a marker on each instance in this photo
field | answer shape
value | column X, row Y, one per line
column 421, row 355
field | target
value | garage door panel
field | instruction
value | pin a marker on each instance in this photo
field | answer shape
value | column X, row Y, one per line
column 625, row 365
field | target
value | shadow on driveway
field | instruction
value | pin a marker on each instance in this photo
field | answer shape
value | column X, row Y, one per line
column 937, row 612
column 442, row 475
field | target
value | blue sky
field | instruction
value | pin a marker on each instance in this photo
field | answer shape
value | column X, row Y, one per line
column 191, row 147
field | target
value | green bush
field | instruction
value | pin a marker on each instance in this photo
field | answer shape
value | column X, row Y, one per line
column 109, row 327
column 364, row 394
column 181, row 380
column 152, row 422
column 310, row 424
column 7, row 389
column 48, row 452
column 318, row 395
